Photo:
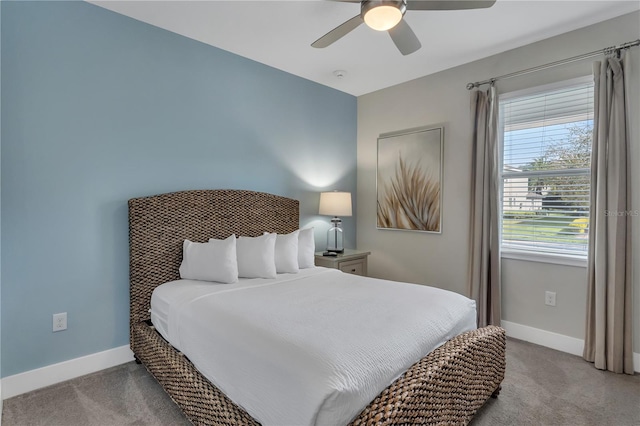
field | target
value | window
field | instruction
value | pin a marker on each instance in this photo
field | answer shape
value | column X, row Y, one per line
column 546, row 160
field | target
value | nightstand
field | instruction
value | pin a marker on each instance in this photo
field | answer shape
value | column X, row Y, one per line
column 351, row 261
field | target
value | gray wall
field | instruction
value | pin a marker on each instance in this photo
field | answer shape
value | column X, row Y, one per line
column 441, row 260
column 98, row 108
column 0, row 210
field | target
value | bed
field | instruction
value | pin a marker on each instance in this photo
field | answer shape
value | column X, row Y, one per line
column 446, row 386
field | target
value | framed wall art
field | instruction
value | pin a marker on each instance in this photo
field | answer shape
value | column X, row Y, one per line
column 409, row 179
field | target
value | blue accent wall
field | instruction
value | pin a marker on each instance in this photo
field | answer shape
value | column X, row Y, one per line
column 98, row 108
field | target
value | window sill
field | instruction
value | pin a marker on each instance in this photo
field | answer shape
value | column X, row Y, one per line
column 544, row 258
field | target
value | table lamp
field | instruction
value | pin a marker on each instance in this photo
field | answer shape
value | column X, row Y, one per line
column 335, row 204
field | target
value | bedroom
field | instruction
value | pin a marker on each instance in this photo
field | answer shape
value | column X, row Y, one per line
column 98, row 108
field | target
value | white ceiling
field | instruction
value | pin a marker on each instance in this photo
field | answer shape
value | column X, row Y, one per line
column 279, row 34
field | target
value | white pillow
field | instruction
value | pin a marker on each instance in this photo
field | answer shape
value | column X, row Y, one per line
column 306, row 248
column 256, row 256
column 286, row 253
column 212, row 261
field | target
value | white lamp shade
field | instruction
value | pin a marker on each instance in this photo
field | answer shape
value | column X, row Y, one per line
column 383, row 18
column 335, row 203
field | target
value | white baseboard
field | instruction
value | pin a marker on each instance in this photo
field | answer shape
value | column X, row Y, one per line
column 56, row 373
column 552, row 340
column 556, row 341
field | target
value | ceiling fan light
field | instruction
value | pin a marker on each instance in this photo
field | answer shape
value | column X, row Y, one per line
column 382, row 15
column 383, row 18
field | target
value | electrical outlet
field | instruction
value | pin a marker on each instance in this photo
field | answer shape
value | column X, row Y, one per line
column 550, row 298
column 60, row 321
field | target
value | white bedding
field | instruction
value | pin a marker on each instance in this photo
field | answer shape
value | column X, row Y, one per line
column 312, row 348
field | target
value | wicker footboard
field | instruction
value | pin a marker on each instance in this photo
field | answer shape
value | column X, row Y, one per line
column 447, row 386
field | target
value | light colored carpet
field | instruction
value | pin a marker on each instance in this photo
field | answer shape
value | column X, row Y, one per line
column 122, row 395
column 546, row 387
column 542, row 387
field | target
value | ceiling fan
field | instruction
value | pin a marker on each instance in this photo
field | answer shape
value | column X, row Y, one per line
column 386, row 15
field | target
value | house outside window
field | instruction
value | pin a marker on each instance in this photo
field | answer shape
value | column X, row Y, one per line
column 545, row 172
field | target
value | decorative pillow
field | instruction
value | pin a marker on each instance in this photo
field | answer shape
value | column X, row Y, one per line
column 306, row 248
column 212, row 261
column 256, row 256
column 286, row 253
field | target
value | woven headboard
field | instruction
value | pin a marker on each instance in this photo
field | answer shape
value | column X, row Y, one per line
column 159, row 224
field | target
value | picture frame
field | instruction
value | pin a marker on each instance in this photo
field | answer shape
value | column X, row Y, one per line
column 409, row 174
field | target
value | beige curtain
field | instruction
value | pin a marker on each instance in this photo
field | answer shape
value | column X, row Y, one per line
column 484, row 255
column 608, row 332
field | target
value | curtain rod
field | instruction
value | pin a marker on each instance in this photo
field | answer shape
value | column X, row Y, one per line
column 555, row 64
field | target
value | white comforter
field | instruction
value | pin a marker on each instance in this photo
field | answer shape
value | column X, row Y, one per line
column 312, row 348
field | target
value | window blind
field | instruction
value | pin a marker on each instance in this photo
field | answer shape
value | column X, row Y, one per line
column 546, row 158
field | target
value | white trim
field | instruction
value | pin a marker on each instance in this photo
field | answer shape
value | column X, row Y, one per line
column 552, row 340
column 546, row 338
column 56, row 373
column 557, row 259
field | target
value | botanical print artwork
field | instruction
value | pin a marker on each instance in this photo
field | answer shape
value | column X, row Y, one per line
column 409, row 180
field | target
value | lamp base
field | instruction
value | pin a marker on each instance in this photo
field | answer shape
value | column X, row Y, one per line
column 335, row 239
column 332, row 250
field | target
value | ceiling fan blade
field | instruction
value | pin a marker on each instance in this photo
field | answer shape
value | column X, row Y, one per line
column 448, row 4
column 404, row 38
column 338, row 32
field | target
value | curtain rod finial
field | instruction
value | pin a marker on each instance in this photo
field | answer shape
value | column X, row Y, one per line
column 471, row 86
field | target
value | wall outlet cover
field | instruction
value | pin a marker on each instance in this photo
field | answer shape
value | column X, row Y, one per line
column 60, row 321
column 550, row 298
